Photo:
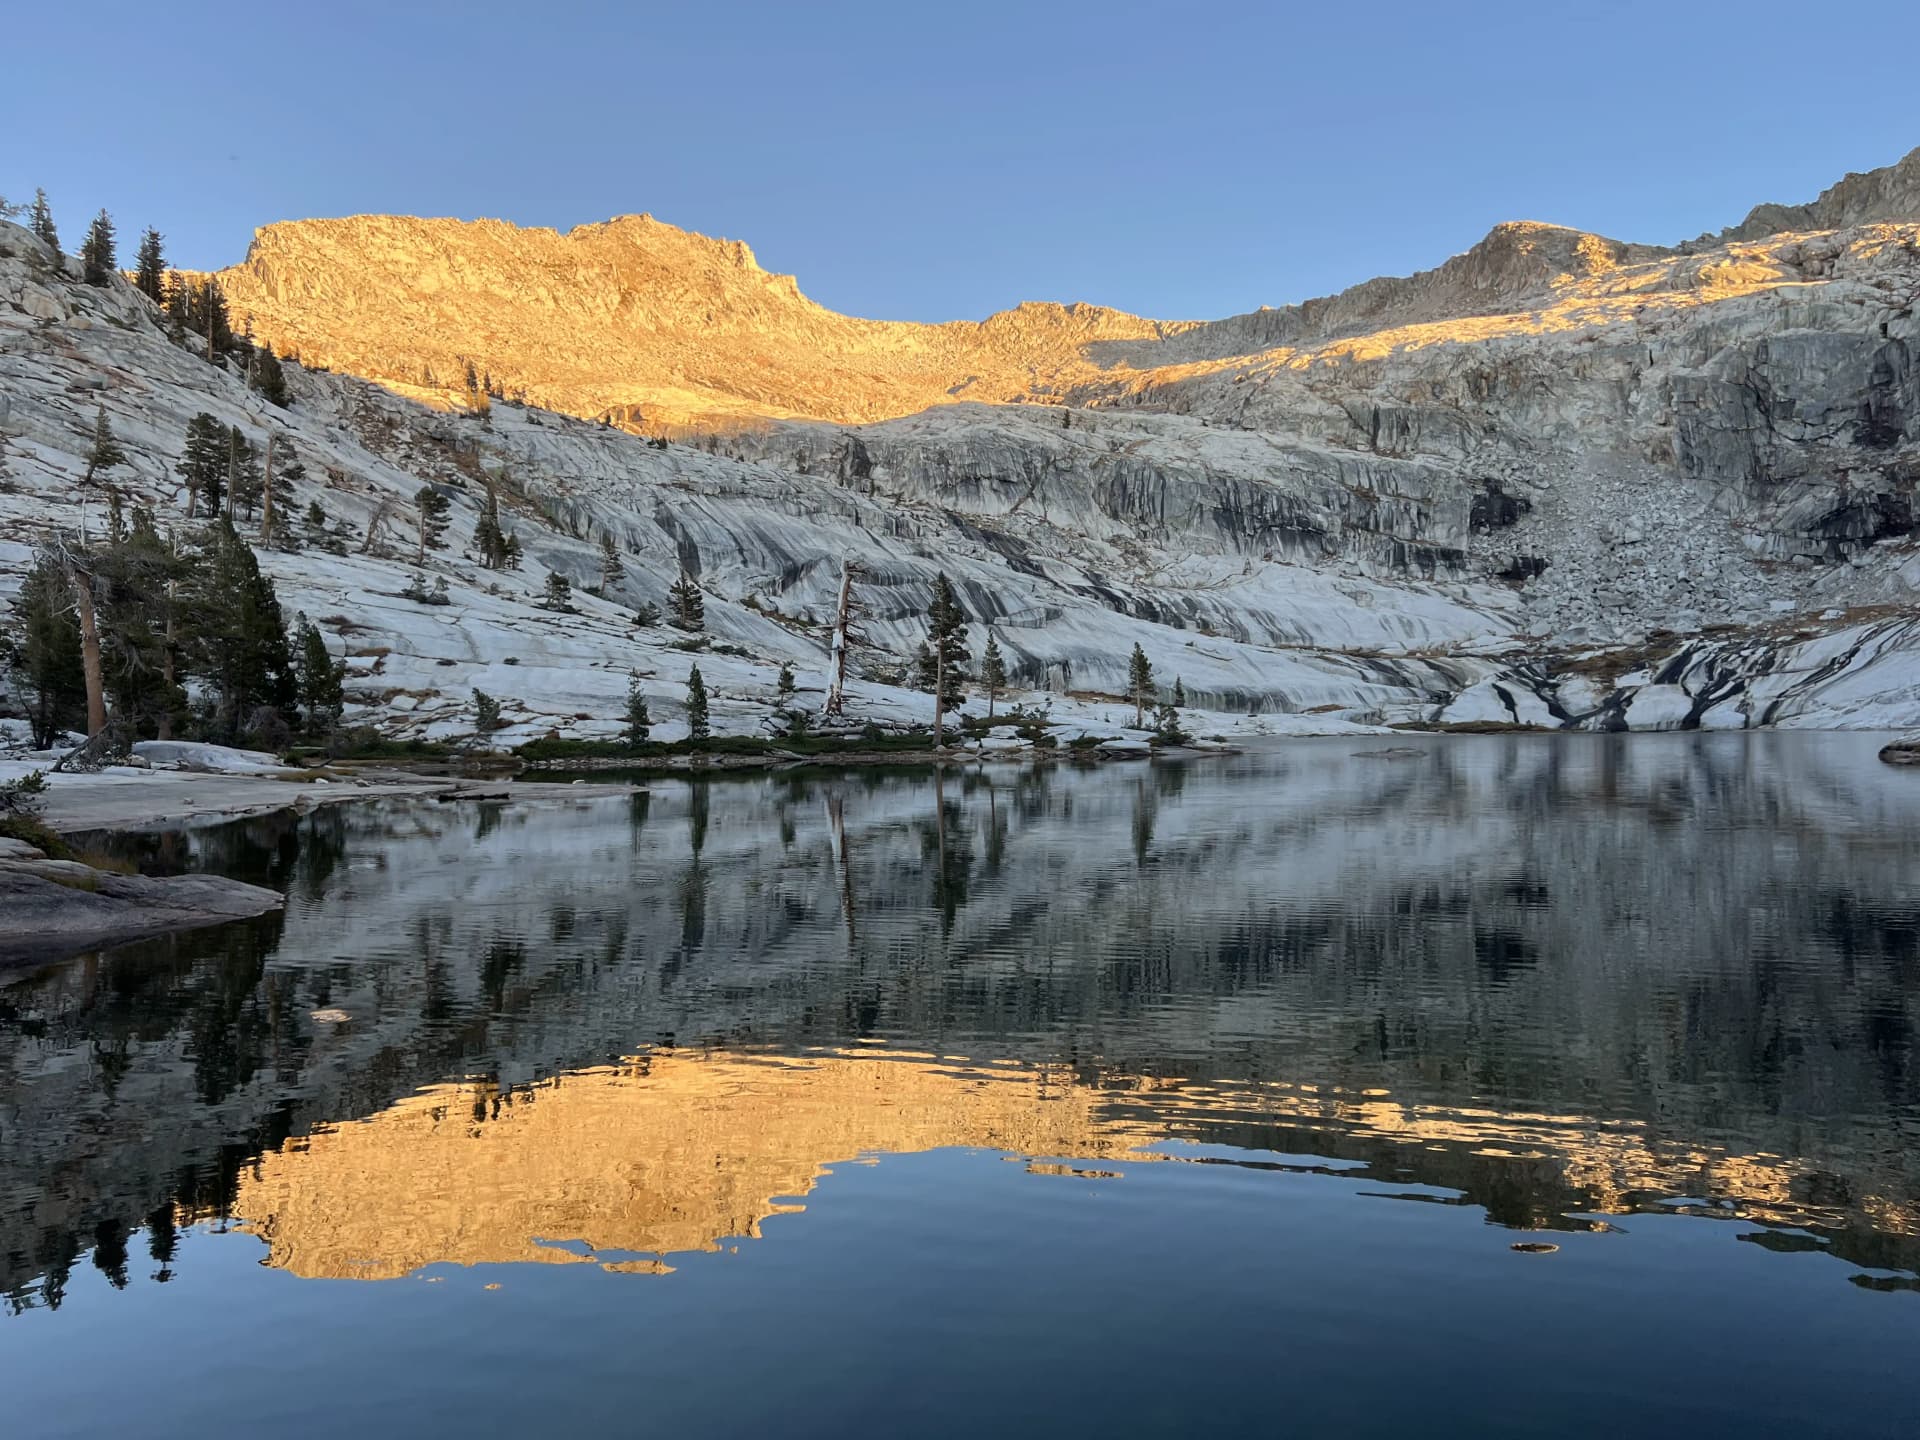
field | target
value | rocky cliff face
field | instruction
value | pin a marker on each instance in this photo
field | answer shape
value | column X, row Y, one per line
column 635, row 319
column 1553, row 451
column 1890, row 193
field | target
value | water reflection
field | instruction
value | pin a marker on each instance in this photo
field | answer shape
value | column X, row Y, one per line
column 1552, row 978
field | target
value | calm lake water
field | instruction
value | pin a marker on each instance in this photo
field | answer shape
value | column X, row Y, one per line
column 1488, row 1085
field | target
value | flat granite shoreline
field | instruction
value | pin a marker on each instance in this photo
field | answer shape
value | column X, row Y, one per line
column 53, row 907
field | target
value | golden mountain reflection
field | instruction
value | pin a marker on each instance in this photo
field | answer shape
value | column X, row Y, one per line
column 680, row 1152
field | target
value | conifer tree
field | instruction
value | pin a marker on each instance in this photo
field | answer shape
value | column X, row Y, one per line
column 1166, row 726
column 478, row 401
column 269, row 377
column 105, row 453
column 136, row 579
column 488, row 538
column 993, row 672
column 207, row 318
column 41, row 222
column 559, row 593
column 697, row 729
column 204, row 466
column 783, row 685
column 321, row 679
column 947, row 642
column 510, row 552
column 246, row 483
column 97, row 250
column 431, row 509
column 150, row 267
column 639, row 720
column 43, row 645
column 689, row 605
column 612, row 571
column 239, row 644
column 1139, row 683
column 179, row 303
column 925, row 668
column 486, row 713
column 1179, row 694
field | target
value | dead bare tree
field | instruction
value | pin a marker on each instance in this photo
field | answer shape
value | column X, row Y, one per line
column 379, row 518
column 842, row 641
column 71, row 556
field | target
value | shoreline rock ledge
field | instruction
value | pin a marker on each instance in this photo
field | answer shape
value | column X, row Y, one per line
column 1904, row 751
column 53, row 908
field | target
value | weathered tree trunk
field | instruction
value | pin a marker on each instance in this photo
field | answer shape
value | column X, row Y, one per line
column 90, row 651
column 837, row 665
column 374, row 522
column 939, row 690
column 266, row 496
column 233, row 469
column 165, row 722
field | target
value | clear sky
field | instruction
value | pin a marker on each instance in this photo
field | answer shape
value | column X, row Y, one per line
column 936, row 161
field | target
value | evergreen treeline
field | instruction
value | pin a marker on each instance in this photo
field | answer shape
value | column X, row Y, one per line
column 192, row 642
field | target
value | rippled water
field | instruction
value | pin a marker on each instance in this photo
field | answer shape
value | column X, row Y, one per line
column 1489, row 1085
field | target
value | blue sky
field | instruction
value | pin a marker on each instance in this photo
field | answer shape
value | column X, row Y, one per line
column 931, row 162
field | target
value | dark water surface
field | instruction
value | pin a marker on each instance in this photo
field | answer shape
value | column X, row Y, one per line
column 1491, row 1085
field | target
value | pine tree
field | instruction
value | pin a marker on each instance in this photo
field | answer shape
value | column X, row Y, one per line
column 925, row 668
column 1166, row 726
column 245, row 481
column 179, row 303
column 1179, row 694
column 689, row 605
column 135, row 583
column 993, row 672
column 204, row 466
column 268, row 377
column 431, row 509
column 322, row 679
column 697, row 730
column 97, row 250
column 559, row 595
column 43, row 645
column 1139, row 684
column 207, row 318
column 486, row 713
column 41, row 222
column 239, row 641
column 947, row 640
column 639, row 721
column 106, row 453
column 783, row 685
column 488, row 538
column 612, row 572
column 150, row 267
column 478, row 401
column 510, row 552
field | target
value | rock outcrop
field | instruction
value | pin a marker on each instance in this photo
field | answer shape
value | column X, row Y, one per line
column 1553, row 450
column 60, row 907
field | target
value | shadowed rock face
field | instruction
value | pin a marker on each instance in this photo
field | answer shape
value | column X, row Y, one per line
column 55, row 908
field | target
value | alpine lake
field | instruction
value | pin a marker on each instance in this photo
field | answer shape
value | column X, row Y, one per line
column 1476, row 1085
